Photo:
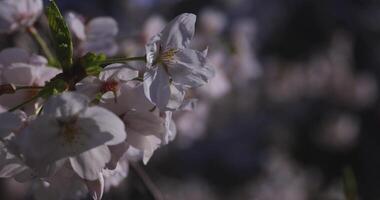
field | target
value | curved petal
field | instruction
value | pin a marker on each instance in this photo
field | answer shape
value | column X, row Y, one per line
column 20, row 74
column 97, row 120
column 96, row 187
column 13, row 55
column 102, row 27
column 66, row 104
column 157, row 87
column 89, row 164
column 76, row 26
column 178, row 33
column 147, row 144
column 144, row 123
column 118, row 72
column 190, row 68
column 117, row 151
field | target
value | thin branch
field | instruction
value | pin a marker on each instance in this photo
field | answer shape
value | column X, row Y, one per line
column 153, row 189
column 41, row 42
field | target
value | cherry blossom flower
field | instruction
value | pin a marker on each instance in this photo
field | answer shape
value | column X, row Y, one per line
column 15, row 15
column 96, row 36
column 148, row 128
column 108, row 83
column 21, row 68
column 173, row 67
column 71, row 130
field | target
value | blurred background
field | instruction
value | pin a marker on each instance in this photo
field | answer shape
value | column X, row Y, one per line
column 292, row 114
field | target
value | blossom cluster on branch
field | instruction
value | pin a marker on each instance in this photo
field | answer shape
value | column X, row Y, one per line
column 71, row 120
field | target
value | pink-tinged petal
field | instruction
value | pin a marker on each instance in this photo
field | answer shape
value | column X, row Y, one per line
column 89, row 86
column 106, row 45
column 118, row 72
column 102, row 27
column 117, row 151
column 45, row 74
column 144, row 123
column 7, row 13
column 190, row 68
column 157, row 87
column 96, row 187
column 178, row 33
column 101, row 121
column 129, row 98
column 146, row 144
column 66, row 104
column 38, row 60
column 89, row 164
column 19, row 74
column 76, row 25
column 9, row 122
column 13, row 55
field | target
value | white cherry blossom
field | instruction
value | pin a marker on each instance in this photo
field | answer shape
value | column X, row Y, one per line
column 95, row 36
column 21, row 68
column 17, row 14
column 172, row 65
column 71, row 130
column 108, row 83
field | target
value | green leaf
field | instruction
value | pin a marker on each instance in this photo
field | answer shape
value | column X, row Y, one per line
column 91, row 63
column 63, row 45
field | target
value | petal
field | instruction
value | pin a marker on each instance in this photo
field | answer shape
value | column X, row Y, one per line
column 66, row 105
column 171, row 130
column 48, row 130
column 178, row 33
column 9, row 122
column 102, row 27
column 97, row 120
column 157, row 87
column 13, row 55
column 144, row 123
column 76, row 25
column 44, row 74
column 96, row 187
column 118, row 72
column 177, row 94
column 7, row 13
column 89, row 86
column 20, row 74
column 89, row 164
column 147, row 144
column 106, row 45
column 117, row 151
column 190, row 68
column 152, row 50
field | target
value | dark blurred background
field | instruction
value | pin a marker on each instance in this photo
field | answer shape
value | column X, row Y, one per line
column 304, row 119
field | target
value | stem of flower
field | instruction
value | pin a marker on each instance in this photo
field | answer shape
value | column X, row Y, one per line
column 153, row 189
column 116, row 60
column 29, row 87
column 24, row 103
column 41, row 42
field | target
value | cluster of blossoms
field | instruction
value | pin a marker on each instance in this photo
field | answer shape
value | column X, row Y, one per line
column 72, row 130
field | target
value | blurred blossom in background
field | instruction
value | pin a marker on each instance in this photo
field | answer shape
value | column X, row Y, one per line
column 293, row 105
